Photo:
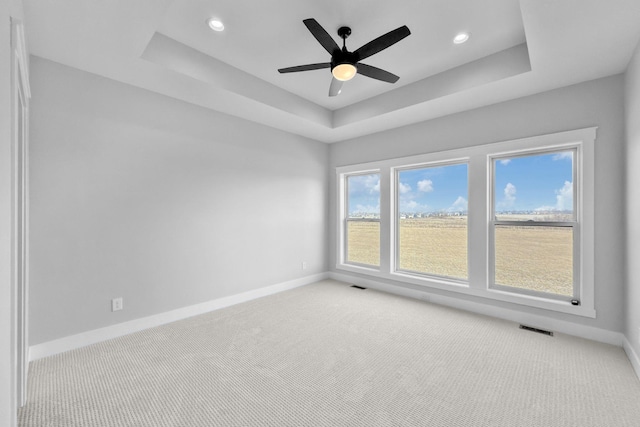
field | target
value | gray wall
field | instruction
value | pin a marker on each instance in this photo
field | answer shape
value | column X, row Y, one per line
column 596, row 103
column 632, row 195
column 166, row 204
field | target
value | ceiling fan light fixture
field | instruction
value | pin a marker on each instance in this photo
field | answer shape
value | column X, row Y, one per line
column 345, row 71
column 461, row 38
column 215, row 24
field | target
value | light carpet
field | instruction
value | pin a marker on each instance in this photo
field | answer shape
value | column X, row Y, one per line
column 331, row 355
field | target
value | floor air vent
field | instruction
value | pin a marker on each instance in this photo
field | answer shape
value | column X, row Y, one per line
column 540, row 331
column 357, row 287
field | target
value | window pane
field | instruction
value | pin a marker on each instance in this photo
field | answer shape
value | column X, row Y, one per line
column 534, row 188
column 363, row 237
column 432, row 220
column 363, row 219
column 535, row 258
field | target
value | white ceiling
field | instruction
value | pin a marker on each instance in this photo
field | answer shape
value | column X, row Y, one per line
column 517, row 48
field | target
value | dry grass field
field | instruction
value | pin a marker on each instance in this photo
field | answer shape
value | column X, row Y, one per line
column 363, row 242
column 436, row 245
column 538, row 259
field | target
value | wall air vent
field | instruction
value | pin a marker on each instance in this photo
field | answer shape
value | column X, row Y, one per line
column 540, row 331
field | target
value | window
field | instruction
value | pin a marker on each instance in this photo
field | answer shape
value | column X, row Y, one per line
column 511, row 221
column 533, row 224
column 431, row 220
column 363, row 219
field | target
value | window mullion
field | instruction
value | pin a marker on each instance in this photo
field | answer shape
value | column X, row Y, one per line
column 477, row 223
column 386, row 233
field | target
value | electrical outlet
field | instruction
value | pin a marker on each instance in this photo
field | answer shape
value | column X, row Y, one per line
column 304, row 265
column 116, row 304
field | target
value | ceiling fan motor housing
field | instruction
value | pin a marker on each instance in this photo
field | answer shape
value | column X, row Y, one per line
column 343, row 56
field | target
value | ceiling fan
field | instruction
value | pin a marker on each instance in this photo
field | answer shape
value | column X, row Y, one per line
column 345, row 65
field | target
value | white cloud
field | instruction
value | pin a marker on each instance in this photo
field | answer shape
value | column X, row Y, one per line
column 564, row 197
column 565, row 155
column 412, row 206
column 426, row 186
column 460, row 205
column 509, row 193
column 403, row 188
column 364, row 184
column 366, row 208
column 509, row 197
column 505, row 162
column 372, row 183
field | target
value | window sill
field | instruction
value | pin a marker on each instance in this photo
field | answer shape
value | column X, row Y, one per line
column 476, row 291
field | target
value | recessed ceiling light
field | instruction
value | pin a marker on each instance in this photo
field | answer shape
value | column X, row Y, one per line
column 461, row 38
column 215, row 24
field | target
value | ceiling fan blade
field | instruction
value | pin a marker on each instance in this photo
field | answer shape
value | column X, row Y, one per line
column 321, row 35
column 377, row 73
column 336, row 87
column 382, row 42
column 307, row 67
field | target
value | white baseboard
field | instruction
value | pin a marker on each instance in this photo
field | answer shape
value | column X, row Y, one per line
column 98, row 335
column 51, row 348
column 541, row 322
column 632, row 355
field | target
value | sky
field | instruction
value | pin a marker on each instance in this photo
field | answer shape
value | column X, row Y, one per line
column 542, row 182
column 537, row 182
column 434, row 189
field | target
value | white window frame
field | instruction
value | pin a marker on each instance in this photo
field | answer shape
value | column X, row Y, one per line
column 396, row 221
column 574, row 224
column 345, row 218
column 480, row 209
